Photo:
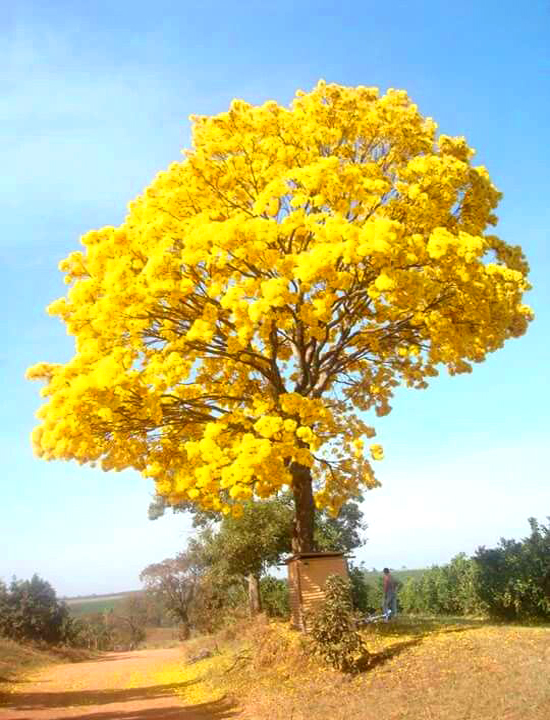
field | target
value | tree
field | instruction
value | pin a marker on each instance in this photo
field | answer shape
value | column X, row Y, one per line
column 249, row 545
column 275, row 599
column 296, row 267
column 94, row 632
column 129, row 620
column 360, row 594
column 30, row 610
column 341, row 533
column 232, row 550
column 513, row 579
column 176, row 582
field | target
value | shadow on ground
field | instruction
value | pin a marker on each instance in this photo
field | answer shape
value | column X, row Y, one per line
column 219, row 710
column 110, row 657
column 372, row 660
column 41, row 700
column 423, row 627
column 417, row 630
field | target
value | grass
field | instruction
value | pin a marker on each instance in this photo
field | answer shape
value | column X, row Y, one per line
column 90, row 607
column 160, row 637
column 419, row 669
column 96, row 603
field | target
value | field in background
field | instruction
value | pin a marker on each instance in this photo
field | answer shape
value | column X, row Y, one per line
column 81, row 608
column 372, row 576
column 85, row 605
column 91, row 604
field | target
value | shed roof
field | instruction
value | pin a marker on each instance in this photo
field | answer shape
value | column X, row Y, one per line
column 299, row 556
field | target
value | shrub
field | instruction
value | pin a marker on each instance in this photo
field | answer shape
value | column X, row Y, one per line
column 274, row 594
column 332, row 628
column 443, row 590
column 360, row 594
column 513, row 579
column 30, row 610
column 509, row 582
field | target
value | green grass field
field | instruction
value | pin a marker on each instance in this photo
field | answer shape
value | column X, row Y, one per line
column 78, row 607
column 401, row 575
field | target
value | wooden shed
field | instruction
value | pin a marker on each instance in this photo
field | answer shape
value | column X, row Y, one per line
column 307, row 575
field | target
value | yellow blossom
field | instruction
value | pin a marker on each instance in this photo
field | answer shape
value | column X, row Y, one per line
column 271, row 288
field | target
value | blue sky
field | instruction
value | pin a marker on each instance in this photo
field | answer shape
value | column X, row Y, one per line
column 96, row 98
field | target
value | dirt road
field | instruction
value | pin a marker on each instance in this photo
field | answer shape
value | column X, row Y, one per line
column 117, row 686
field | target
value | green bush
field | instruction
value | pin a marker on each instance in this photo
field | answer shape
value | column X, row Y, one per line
column 360, row 591
column 332, row 628
column 30, row 610
column 274, row 594
column 444, row 590
column 509, row 582
column 513, row 579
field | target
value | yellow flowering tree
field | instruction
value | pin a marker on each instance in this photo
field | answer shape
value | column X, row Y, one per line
column 262, row 294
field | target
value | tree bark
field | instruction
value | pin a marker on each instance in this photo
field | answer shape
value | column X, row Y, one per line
column 184, row 631
column 254, row 597
column 304, row 521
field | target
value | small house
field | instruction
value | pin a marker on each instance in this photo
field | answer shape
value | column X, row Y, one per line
column 307, row 575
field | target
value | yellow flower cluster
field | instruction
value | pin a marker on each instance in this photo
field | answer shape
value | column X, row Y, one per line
column 288, row 274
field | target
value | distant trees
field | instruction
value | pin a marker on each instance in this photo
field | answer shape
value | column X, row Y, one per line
column 175, row 582
column 509, row 582
column 92, row 631
column 129, row 620
column 443, row 590
column 513, row 579
column 226, row 563
column 244, row 548
column 30, row 610
column 122, row 627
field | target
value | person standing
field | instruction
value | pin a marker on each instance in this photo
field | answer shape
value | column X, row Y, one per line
column 390, row 593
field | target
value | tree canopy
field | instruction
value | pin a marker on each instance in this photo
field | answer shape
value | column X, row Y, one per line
column 30, row 610
column 285, row 277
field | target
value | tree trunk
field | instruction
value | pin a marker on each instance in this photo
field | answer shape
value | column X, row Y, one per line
column 184, row 631
column 304, row 521
column 254, row 598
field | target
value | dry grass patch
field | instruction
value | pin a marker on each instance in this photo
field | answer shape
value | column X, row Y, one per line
column 17, row 659
column 418, row 671
column 160, row 637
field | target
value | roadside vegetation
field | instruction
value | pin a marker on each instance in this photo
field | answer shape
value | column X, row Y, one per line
column 472, row 639
column 419, row 668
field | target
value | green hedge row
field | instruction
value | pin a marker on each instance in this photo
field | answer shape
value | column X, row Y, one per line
column 509, row 582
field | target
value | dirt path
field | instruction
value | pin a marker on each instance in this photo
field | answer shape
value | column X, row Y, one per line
column 117, row 686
